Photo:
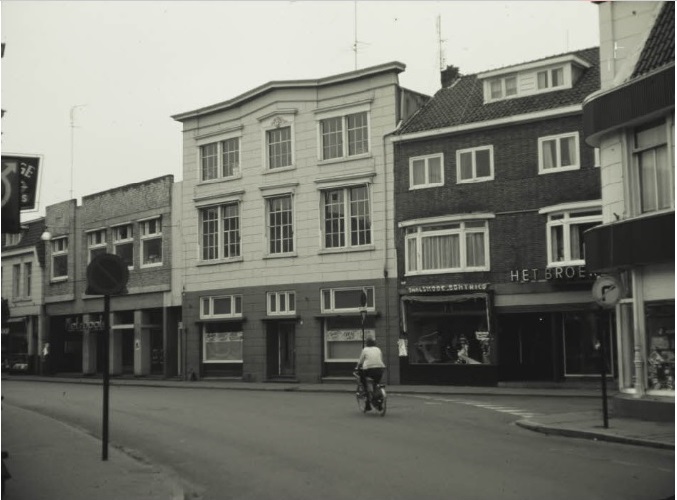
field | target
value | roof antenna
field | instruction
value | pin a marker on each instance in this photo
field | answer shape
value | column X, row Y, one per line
column 355, row 32
column 440, row 41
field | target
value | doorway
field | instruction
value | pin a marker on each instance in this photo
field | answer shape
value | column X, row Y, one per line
column 281, row 351
column 526, row 347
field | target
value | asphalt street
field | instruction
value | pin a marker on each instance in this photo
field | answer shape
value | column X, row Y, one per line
column 251, row 444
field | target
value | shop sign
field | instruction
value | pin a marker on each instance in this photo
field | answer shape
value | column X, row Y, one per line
column 450, row 287
column 80, row 326
column 350, row 334
column 564, row 273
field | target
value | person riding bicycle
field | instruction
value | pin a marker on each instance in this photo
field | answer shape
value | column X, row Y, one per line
column 370, row 365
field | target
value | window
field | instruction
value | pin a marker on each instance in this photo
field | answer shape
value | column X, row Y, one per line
column 655, row 167
column 347, row 222
column 28, row 276
column 346, row 299
column 13, row 239
column 59, row 258
column 475, row 164
column 220, row 159
column 344, row 136
column 565, row 235
column 123, row 243
column 16, row 281
column 450, row 247
column 281, row 303
column 226, row 306
column 426, row 171
column 96, row 243
column 220, row 232
column 550, row 78
column 503, row 87
column 558, row 153
column 280, row 225
column 151, row 242
column 279, row 147
column 222, row 343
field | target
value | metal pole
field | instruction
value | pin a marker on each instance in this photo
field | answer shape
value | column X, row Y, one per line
column 106, row 375
column 602, row 364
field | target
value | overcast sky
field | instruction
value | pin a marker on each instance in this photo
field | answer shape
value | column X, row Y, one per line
column 133, row 64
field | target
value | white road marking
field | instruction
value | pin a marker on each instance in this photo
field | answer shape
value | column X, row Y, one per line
column 431, row 400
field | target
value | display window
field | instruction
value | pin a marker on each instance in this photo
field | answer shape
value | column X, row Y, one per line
column 582, row 343
column 222, row 342
column 343, row 340
column 448, row 332
column 660, row 333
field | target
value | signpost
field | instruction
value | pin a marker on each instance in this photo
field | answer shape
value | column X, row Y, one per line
column 363, row 311
column 606, row 291
column 107, row 275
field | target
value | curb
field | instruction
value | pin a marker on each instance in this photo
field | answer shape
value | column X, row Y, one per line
column 594, row 436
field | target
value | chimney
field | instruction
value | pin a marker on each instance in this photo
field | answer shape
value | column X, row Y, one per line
column 449, row 75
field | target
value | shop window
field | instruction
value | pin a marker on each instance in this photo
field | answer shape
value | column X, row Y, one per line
column 660, row 332
column 343, row 338
column 222, row 342
column 346, row 299
column 280, row 303
column 449, row 332
column 582, row 342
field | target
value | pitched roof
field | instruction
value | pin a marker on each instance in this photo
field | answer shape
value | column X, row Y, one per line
column 31, row 233
column 659, row 48
column 463, row 101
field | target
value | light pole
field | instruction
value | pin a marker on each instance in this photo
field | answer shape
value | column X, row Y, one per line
column 363, row 311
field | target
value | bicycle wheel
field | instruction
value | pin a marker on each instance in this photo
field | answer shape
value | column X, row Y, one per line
column 361, row 400
column 382, row 402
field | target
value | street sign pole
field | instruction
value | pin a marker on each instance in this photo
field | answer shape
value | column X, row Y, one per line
column 106, row 375
column 602, row 364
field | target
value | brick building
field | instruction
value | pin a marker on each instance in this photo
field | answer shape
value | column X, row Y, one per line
column 632, row 122
column 494, row 187
column 23, row 262
column 134, row 222
column 287, row 221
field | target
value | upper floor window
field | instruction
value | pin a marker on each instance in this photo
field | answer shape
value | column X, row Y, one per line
column 225, row 306
column 220, row 231
column 653, row 159
column 27, row 279
column 447, row 247
column 344, row 136
column 565, row 235
column 426, row 171
column 550, row 78
column 59, row 258
column 12, row 239
column 475, row 164
column 347, row 299
column 279, row 147
column 503, row 87
column 220, row 159
column 96, row 243
column 151, row 242
column 16, row 281
column 347, row 219
column 280, row 303
column 280, row 225
column 123, row 243
column 558, row 153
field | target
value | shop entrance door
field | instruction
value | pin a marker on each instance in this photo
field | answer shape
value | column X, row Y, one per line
column 281, row 349
column 525, row 347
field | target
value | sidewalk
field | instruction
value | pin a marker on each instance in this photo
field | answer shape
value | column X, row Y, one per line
column 587, row 425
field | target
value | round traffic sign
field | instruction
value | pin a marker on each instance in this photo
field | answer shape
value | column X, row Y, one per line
column 107, row 274
column 607, row 291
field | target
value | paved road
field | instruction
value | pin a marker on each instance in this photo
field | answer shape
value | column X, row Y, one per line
column 241, row 444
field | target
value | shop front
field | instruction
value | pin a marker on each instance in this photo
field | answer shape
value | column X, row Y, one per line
column 15, row 348
column 448, row 335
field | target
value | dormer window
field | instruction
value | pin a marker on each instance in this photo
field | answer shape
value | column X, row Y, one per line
column 550, row 78
column 503, row 87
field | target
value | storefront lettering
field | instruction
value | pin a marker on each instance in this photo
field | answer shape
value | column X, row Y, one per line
column 80, row 326
column 455, row 287
column 551, row 274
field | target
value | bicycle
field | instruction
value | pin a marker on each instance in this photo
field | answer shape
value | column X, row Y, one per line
column 378, row 399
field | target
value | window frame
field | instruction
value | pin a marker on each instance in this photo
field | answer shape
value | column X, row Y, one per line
column 369, row 290
column 232, row 335
column 344, row 133
column 26, row 279
column 347, row 218
column 418, row 233
column 59, row 253
column 95, row 246
column 16, row 281
column 474, row 151
column 235, row 301
column 268, row 227
column 276, row 296
column 118, row 241
column 558, row 153
column 426, row 165
column 267, row 144
column 548, row 73
column 567, row 219
column 502, row 80
column 146, row 237
column 220, row 248
column 220, row 165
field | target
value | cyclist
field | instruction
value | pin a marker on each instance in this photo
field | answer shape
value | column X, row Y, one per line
column 370, row 365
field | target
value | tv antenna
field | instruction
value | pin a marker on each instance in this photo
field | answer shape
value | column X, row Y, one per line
column 356, row 42
column 440, row 42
